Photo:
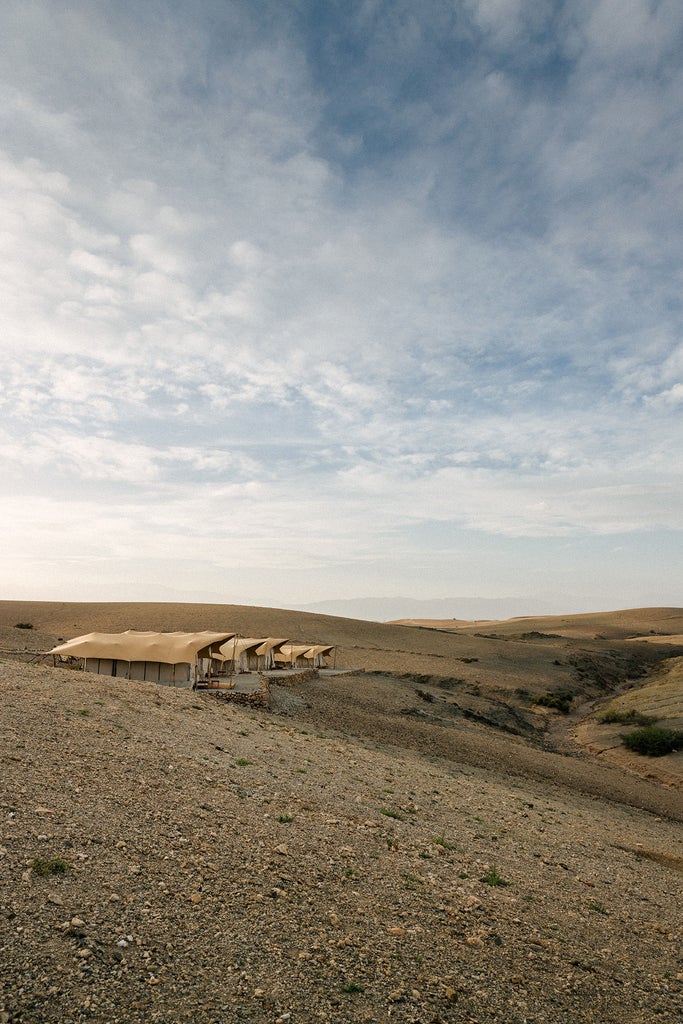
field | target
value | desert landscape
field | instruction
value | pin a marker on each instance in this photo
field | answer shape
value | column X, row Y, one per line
column 422, row 837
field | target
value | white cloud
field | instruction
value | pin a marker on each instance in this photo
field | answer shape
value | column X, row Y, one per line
column 304, row 308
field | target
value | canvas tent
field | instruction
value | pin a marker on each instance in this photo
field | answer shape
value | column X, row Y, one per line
column 302, row 655
column 172, row 659
column 248, row 654
column 316, row 655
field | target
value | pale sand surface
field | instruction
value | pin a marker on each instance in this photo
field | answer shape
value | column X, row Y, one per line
column 617, row 625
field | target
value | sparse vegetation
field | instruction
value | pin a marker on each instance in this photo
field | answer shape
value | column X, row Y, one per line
column 49, row 866
column 23, row 625
column 622, row 717
column 599, row 908
column 353, row 986
column 653, row 740
column 285, row 819
column 442, row 841
column 493, row 877
column 392, row 814
column 243, row 761
column 560, row 701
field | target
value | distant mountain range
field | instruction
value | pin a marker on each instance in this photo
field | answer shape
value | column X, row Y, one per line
column 386, row 609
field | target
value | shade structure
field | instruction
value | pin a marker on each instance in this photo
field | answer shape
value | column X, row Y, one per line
column 172, row 659
column 168, row 648
column 302, row 655
column 245, row 654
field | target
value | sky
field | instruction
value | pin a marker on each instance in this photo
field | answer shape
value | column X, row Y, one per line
column 342, row 299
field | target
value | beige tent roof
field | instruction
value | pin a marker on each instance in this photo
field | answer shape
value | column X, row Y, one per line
column 319, row 649
column 231, row 649
column 288, row 651
column 169, row 648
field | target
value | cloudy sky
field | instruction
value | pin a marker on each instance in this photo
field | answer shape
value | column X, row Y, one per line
column 315, row 299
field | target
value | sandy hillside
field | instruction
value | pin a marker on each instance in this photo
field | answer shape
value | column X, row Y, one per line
column 226, row 864
column 500, row 661
column 617, row 625
column 475, row 677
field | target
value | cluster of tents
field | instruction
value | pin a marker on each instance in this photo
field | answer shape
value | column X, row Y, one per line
column 187, row 659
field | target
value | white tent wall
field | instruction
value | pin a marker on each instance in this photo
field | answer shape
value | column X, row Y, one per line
column 142, row 671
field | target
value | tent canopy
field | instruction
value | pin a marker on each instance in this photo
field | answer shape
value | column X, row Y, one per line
column 237, row 645
column 168, row 648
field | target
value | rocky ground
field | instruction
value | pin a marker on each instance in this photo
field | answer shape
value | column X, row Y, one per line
column 165, row 857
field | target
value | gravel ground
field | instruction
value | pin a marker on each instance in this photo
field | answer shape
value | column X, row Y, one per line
column 226, row 864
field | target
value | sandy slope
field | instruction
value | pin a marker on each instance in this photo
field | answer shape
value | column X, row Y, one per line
column 617, row 625
column 228, row 865
column 491, row 673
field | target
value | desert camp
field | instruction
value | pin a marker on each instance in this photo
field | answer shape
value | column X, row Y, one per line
column 181, row 659
column 428, row 837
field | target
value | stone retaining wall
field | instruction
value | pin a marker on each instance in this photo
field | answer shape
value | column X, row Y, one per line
column 256, row 699
column 294, row 678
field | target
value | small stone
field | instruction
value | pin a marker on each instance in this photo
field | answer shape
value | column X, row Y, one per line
column 282, row 849
column 396, row 931
column 84, row 953
column 259, row 993
column 196, row 897
column 76, row 922
column 53, row 897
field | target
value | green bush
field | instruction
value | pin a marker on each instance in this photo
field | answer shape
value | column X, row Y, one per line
column 49, row 865
column 630, row 717
column 560, row 701
column 653, row 740
column 493, row 877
